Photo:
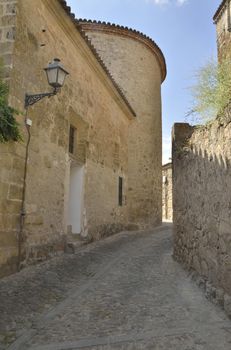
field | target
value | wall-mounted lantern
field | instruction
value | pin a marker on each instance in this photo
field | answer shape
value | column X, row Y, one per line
column 56, row 75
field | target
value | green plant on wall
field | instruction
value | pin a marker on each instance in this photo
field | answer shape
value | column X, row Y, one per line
column 212, row 91
column 9, row 128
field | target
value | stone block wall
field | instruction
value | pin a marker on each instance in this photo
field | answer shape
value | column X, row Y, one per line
column 167, row 192
column 91, row 103
column 10, row 167
column 202, row 205
column 7, row 34
column 135, row 64
column 222, row 19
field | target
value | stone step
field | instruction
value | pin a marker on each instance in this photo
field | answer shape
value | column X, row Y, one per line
column 75, row 242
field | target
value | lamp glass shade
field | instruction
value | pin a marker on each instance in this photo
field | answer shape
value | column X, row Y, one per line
column 56, row 74
column 61, row 76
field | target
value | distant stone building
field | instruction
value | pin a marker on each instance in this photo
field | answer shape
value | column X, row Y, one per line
column 167, row 192
column 94, row 164
column 222, row 19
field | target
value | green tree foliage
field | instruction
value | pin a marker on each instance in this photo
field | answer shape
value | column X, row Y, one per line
column 212, row 91
column 9, row 128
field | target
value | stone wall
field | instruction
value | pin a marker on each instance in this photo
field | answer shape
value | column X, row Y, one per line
column 90, row 102
column 222, row 19
column 202, row 205
column 9, row 191
column 167, row 192
column 7, row 33
column 138, row 66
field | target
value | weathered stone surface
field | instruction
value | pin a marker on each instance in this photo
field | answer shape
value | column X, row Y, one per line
column 220, row 297
column 136, row 69
column 123, row 293
column 201, row 203
column 223, row 28
column 110, row 142
column 227, row 304
column 88, row 103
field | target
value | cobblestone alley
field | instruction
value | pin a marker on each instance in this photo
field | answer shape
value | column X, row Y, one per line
column 125, row 292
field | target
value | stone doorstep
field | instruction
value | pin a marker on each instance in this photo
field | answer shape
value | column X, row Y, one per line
column 74, row 243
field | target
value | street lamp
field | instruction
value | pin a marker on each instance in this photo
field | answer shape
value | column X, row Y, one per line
column 56, row 75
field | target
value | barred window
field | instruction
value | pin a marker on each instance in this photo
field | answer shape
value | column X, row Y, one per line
column 72, row 136
column 120, row 191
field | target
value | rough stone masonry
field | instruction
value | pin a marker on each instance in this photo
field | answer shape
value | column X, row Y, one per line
column 201, row 192
column 202, row 205
column 111, row 180
column 121, row 293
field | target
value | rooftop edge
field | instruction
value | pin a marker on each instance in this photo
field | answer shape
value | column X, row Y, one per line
column 220, row 8
column 78, row 26
column 149, row 42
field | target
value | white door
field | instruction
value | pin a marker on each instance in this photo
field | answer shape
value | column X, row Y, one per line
column 76, row 199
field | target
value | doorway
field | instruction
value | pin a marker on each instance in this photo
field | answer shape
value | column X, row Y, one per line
column 76, row 199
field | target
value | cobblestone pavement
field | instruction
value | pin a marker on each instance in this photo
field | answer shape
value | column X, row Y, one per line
column 125, row 292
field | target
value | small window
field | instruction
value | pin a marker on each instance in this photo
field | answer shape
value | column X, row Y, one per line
column 120, row 191
column 72, row 135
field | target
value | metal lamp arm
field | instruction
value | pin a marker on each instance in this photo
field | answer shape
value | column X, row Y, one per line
column 32, row 99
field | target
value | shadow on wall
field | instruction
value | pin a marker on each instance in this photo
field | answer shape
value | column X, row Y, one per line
column 202, row 201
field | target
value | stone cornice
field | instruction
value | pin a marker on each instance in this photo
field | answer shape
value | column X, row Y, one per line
column 79, row 28
column 109, row 28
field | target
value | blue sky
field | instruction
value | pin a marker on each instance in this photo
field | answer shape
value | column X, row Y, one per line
column 183, row 29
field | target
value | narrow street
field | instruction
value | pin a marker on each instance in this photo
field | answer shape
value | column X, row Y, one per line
column 124, row 292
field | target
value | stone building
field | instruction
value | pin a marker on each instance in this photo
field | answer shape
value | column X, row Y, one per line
column 222, row 19
column 167, row 192
column 137, row 65
column 94, row 165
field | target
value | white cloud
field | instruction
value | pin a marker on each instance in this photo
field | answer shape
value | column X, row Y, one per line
column 158, row 2
column 181, row 2
column 161, row 2
column 167, row 2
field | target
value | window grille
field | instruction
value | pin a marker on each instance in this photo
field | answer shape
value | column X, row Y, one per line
column 72, row 132
column 120, row 191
